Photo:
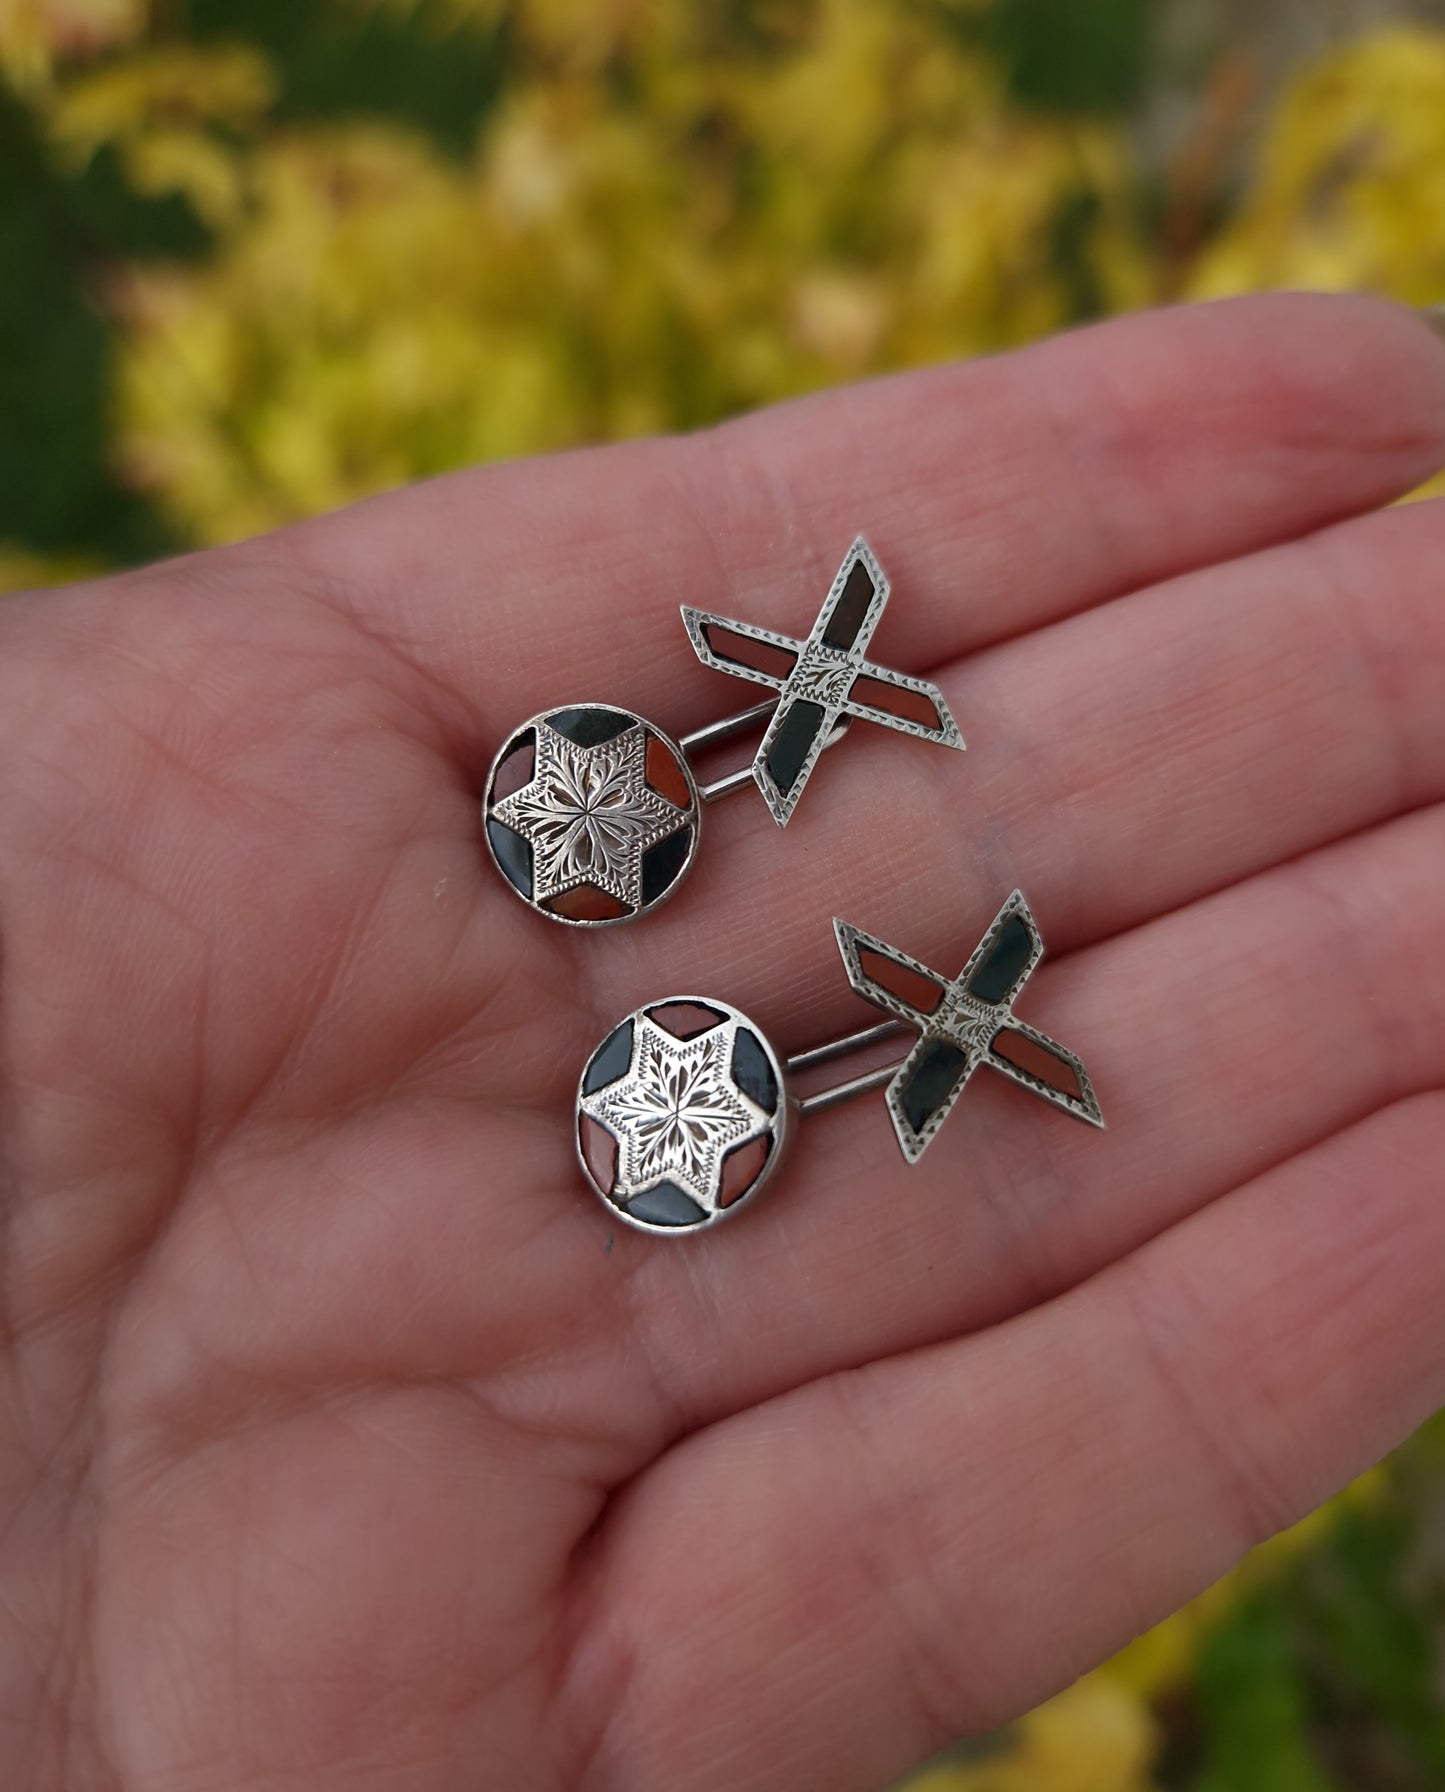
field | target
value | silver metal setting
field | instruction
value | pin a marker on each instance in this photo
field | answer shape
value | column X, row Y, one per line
column 973, row 1013
column 681, row 1089
column 716, row 732
column 679, row 1110
column 593, row 836
column 817, row 694
column 587, row 817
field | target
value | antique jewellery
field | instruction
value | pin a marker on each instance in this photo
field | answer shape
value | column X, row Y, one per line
column 684, row 1111
column 593, row 815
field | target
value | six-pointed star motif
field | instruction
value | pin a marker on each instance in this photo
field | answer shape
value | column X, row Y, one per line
column 590, row 815
column 677, row 1111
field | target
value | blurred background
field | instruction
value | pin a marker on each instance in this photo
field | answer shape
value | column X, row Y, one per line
column 259, row 257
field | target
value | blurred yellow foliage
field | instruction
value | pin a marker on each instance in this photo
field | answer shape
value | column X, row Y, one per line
column 1350, row 184
column 1096, row 1737
column 20, row 571
column 163, row 113
column 34, row 34
column 1160, row 1659
column 1100, row 1735
column 664, row 221
column 720, row 230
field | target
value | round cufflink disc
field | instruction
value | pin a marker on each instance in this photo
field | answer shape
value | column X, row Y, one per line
column 682, row 1115
column 591, row 814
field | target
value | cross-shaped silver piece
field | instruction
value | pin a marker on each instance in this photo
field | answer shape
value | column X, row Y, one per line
column 968, row 1022
column 820, row 691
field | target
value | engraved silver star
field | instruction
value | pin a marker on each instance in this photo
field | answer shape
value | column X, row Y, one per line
column 677, row 1111
column 973, row 1012
column 827, row 683
column 590, row 815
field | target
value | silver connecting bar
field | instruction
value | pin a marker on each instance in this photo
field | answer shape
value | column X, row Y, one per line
column 721, row 787
column 729, row 726
column 841, row 1092
column 840, row 1048
column 716, row 732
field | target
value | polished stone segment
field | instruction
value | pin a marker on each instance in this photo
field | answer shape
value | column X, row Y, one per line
column 742, row 1169
column 752, row 1072
column 666, row 1205
column 662, row 864
column 610, row 1060
column 788, row 752
column 940, row 1068
column 513, row 854
column 589, row 727
column 851, row 609
column 1004, row 961
column 685, row 1020
column 1050, row 1063
column 921, row 993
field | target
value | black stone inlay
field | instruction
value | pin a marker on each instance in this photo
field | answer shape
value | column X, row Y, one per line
column 666, row 1205
column 525, row 740
column 513, row 854
column 662, row 863
column 851, row 608
column 936, row 1075
column 752, row 1072
column 610, row 1060
column 589, row 727
column 792, row 743
column 1011, row 950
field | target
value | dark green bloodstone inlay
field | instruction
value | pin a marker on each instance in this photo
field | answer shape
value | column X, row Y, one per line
column 662, row 864
column 752, row 1072
column 665, row 1205
column 1006, row 957
column 514, row 855
column 792, row 743
column 589, row 727
column 610, row 1060
column 936, row 1075
column 851, row 608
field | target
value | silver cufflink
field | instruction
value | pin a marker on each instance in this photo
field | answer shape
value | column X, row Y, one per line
column 685, row 1110
column 593, row 815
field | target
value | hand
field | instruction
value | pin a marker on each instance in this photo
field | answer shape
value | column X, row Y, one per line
column 346, row 1443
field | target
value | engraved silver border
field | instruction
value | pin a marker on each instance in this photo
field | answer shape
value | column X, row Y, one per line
column 695, row 814
column 781, row 1127
column 964, row 1021
column 810, row 655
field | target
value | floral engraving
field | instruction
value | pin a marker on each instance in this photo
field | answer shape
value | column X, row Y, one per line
column 825, row 676
column 590, row 815
column 677, row 1112
column 969, row 1023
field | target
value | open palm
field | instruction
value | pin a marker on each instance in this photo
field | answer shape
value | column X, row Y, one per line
column 348, row 1444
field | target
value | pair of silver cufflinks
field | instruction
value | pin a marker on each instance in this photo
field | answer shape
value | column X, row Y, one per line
column 593, row 816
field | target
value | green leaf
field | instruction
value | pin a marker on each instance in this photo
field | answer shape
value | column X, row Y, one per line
column 1254, row 1708
column 1073, row 55
column 348, row 62
column 57, row 235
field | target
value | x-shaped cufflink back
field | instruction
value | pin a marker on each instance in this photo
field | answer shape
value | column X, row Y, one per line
column 820, row 691
column 964, row 1023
